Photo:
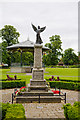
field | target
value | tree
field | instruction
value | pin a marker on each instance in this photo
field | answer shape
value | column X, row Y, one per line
column 55, row 50
column 27, row 58
column 69, row 57
column 10, row 35
column 79, row 56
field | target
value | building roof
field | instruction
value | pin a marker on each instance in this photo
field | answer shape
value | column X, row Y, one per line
column 25, row 46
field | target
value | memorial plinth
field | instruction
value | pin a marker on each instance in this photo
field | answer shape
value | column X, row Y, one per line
column 38, row 82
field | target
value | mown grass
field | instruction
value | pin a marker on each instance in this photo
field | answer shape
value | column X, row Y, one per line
column 63, row 73
column 22, row 76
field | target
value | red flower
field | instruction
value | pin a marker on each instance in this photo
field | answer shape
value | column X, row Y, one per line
column 55, row 91
column 58, row 79
column 16, row 91
column 50, row 79
column 22, row 87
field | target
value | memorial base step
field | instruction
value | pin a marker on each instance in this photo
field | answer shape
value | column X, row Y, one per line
column 37, row 82
column 42, row 99
column 37, row 93
column 37, row 88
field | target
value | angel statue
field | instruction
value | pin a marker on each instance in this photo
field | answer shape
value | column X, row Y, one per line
column 38, row 31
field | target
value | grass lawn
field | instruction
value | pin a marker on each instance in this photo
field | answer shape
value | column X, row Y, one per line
column 63, row 73
column 23, row 76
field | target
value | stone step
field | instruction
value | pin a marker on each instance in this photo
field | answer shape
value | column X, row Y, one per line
column 42, row 99
column 37, row 88
column 38, row 79
column 37, row 82
column 37, row 93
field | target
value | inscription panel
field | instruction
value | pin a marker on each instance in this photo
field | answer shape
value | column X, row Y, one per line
column 38, row 75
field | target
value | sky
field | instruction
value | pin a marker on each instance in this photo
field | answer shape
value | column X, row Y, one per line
column 60, row 18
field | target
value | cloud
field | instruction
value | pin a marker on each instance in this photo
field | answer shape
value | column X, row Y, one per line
column 58, row 17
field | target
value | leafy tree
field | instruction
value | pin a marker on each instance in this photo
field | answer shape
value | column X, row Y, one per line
column 27, row 58
column 10, row 35
column 55, row 50
column 0, row 53
column 69, row 57
column 79, row 56
column 5, row 55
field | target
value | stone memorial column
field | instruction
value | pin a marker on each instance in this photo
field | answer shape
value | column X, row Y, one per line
column 37, row 56
column 38, row 71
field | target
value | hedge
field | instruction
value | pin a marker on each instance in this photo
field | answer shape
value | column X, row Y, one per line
column 65, row 80
column 65, row 85
column 13, row 111
column 12, row 84
column 70, row 80
column 4, row 109
column 72, row 112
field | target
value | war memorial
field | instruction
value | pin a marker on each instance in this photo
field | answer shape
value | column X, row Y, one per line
column 37, row 90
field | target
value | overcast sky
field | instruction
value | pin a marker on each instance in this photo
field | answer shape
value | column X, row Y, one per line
column 60, row 18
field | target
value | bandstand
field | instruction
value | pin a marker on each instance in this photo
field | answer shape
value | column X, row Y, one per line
column 25, row 46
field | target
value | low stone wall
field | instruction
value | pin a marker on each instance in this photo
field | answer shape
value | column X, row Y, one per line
column 21, row 69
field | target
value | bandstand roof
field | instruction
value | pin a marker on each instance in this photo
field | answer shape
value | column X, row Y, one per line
column 26, row 46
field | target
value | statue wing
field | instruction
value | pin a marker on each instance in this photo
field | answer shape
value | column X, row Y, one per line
column 42, row 29
column 35, row 29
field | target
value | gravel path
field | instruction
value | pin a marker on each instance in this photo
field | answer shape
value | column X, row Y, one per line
column 42, row 110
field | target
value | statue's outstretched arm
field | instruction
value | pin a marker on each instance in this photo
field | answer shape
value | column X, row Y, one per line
column 34, row 28
column 42, row 29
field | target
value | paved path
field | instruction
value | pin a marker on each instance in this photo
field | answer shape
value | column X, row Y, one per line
column 42, row 110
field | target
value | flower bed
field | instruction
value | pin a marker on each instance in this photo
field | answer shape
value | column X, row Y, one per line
column 19, row 92
column 53, row 79
column 56, row 91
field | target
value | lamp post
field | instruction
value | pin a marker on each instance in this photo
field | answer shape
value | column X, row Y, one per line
column 21, row 58
column 19, row 50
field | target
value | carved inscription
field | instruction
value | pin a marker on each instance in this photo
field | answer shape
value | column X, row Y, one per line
column 38, row 75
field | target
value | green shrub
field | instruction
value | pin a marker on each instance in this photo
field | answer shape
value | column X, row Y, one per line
column 77, row 104
column 4, row 109
column 13, row 84
column 69, row 80
column 66, row 108
column 74, row 66
column 65, row 85
column 72, row 112
column 13, row 111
